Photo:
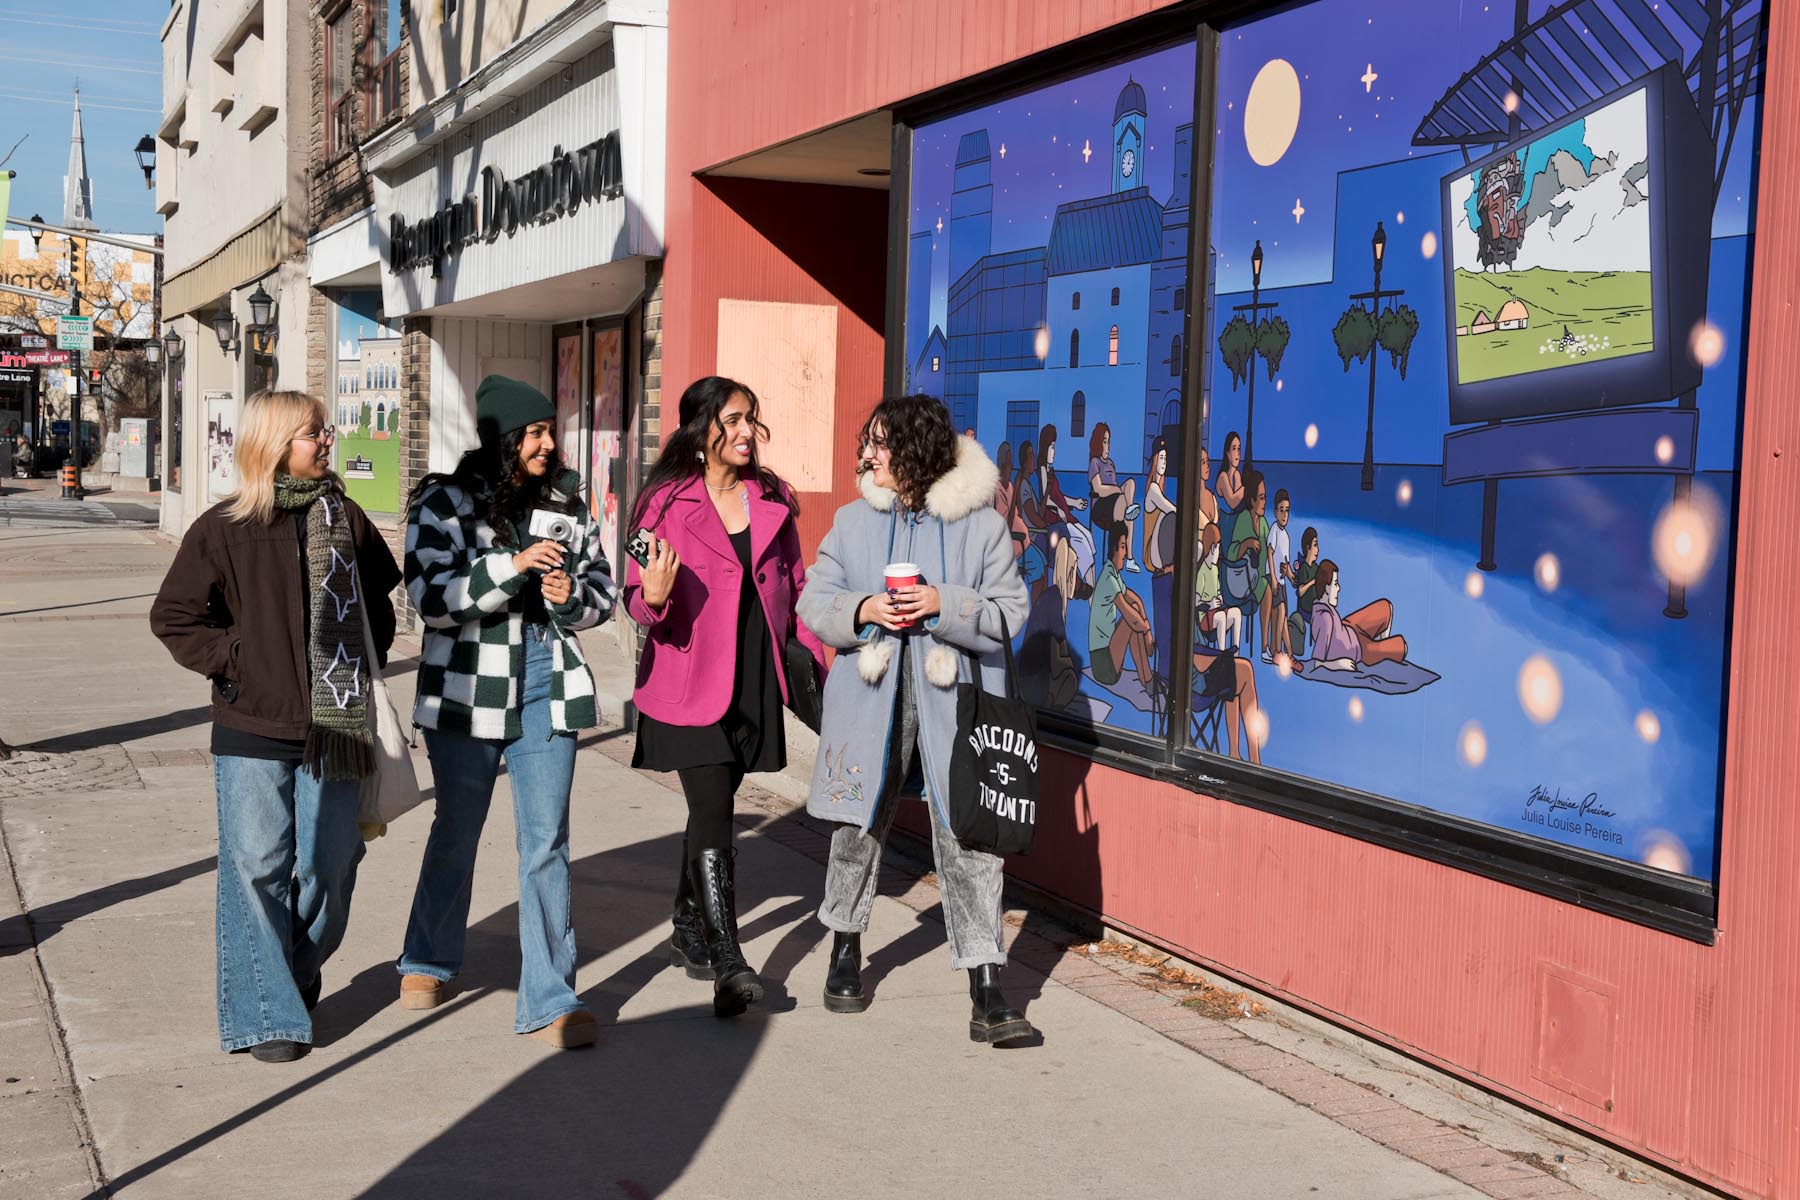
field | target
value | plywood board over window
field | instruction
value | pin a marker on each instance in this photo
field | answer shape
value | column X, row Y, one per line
column 787, row 355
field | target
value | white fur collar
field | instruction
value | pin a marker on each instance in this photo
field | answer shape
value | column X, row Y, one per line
column 966, row 488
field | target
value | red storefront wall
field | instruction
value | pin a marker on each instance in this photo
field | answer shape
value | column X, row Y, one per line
column 1684, row 1053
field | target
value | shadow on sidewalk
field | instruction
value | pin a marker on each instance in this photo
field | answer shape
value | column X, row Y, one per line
column 40, row 924
column 125, row 731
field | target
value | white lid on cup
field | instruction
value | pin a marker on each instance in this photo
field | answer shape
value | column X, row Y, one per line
column 900, row 570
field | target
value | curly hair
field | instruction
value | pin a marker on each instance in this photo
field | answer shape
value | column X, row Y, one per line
column 921, row 441
column 502, row 494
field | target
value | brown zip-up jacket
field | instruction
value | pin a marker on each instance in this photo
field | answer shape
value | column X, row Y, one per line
column 231, row 609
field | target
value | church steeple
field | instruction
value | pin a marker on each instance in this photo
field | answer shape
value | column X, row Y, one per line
column 78, row 189
column 1130, row 114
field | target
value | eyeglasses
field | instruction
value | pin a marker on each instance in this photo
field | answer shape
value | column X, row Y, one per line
column 324, row 437
column 875, row 442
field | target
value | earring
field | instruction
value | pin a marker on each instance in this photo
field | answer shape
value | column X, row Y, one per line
column 699, row 456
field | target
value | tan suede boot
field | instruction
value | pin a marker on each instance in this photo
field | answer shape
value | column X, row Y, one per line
column 422, row 991
column 570, row 1030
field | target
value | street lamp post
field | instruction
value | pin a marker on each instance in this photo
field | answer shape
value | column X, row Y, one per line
column 1378, row 245
column 1255, row 309
column 145, row 150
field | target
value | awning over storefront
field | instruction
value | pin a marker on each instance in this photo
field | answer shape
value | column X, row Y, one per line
column 252, row 253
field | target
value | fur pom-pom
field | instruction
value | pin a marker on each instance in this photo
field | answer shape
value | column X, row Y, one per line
column 940, row 666
column 872, row 660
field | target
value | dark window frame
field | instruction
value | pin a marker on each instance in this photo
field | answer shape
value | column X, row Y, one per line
column 1676, row 905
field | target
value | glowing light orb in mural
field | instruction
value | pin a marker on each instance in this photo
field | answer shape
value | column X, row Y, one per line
column 1312, row 436
column 1356, row 709
column 1664, row 851
column 1510, row 102
column 1403, row 493
column 1272, row 112
column 1428, row 245
column 1284, row 665
column 1042, row 345
column 1474, row 585
column 1471, row 743
column 1256, row 726
column 1665, row 448
column 1548, row 572
column 1540, row 689
column 1399, row 218
column 1649, row 726
column 1706, row 343
column 1686, row 536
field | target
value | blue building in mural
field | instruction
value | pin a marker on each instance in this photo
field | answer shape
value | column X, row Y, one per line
column 1082, row 330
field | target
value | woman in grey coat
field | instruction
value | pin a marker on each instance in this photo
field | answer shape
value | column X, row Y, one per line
column 927, row 499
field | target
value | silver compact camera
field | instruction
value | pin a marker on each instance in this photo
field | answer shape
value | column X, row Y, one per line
column 557, row 527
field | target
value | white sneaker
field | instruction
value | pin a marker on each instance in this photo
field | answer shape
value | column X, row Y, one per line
column 1131, row 566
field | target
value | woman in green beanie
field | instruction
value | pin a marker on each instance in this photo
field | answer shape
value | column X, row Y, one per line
column 269, row 597
column 502, row 677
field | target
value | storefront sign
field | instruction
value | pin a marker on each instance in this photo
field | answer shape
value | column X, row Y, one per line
column 19, row 377
column 558, row 188
column 43, row 281
column 34, row 358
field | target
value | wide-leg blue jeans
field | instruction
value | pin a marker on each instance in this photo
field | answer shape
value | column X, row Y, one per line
column 541, row 765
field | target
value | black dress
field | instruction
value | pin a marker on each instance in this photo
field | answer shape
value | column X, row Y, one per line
column 750, row 736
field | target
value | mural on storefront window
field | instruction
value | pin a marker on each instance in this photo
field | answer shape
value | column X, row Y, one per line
column 1047, row 271
column 609, row 419
column 368, row 402
column 1473, row 408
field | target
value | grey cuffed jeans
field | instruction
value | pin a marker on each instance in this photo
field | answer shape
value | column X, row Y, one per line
column 970, row 880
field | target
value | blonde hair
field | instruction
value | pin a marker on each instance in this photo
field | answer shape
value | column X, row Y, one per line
column 266, row 427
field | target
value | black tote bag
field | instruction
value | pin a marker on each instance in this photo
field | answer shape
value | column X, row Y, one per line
column 994, row 768
column 805, row 689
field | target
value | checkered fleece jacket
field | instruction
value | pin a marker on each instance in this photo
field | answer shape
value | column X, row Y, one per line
column 474, row 659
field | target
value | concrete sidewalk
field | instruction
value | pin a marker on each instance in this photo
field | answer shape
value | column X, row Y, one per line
column 114, row 1082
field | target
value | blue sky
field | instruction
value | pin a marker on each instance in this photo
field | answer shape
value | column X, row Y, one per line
column 112, row 47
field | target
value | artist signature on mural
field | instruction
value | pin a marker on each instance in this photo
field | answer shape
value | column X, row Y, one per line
column 1587, row 806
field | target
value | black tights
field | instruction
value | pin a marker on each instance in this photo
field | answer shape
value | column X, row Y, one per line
column 711, row 794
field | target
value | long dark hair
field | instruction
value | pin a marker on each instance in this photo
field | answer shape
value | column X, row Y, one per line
column 1027, row 464
column 921, row 443
column 490, row 475
column 702, row 428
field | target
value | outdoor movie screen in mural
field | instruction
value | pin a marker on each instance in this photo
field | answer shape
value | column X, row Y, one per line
column 1473, row 409
column 1047, row 252
column 367, row 402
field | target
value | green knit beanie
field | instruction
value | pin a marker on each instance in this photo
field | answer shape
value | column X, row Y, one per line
column 503, row 405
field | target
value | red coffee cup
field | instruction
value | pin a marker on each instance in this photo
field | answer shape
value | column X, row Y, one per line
column 901, row 575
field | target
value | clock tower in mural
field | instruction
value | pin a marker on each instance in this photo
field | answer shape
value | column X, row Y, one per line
column 1129, row 116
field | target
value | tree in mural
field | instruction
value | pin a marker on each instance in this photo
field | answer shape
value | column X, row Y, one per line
column 1395, row 332
column 1272, row 342
column 365, row 418
column 1237, row 349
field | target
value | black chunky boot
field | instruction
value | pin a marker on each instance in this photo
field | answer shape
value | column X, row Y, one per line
column 843, row 982
column 735, row 985
column 990, row 1020
column 687, row 938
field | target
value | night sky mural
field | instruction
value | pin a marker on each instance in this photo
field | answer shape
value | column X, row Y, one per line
column 1472, row 376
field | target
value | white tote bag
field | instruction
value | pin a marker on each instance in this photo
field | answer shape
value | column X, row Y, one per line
column 392, row 788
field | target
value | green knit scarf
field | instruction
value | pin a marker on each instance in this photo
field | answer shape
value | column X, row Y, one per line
column 339, row 745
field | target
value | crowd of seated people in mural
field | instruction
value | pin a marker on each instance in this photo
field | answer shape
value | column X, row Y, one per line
column 1257, row 594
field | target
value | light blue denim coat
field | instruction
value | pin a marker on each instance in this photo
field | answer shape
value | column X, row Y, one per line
column 963, row 548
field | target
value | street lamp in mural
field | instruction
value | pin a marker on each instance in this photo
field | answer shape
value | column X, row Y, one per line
column 1361, row 330
column 1245, row 338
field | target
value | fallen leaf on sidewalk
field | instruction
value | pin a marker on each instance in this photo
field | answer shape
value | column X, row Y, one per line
column 1196, row 991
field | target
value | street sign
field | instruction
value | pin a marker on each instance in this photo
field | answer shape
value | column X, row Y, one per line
column 75, row 333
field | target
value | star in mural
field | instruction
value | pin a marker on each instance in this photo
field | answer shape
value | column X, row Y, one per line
column 1299, row 210
column 349, row 689
column 1368, row 79
column 1087, row 150
column 1003, row 151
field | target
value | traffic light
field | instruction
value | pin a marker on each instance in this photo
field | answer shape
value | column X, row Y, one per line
column 75, row 268
column 93, row 376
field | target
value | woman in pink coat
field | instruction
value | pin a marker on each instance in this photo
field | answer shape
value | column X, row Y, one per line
column 716, row 599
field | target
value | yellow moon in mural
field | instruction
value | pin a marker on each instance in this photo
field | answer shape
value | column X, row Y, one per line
column 1272, row 112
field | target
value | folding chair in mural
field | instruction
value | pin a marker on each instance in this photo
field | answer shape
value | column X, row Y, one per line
column 1237, row 583
column 1213, row 690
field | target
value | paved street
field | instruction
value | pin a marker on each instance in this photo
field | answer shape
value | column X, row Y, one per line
column 114, row 1083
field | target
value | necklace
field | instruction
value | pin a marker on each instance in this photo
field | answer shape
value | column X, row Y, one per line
column 724, row 491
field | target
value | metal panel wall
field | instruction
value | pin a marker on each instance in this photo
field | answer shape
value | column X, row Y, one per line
column 458, row 349
column 1684, row 1053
